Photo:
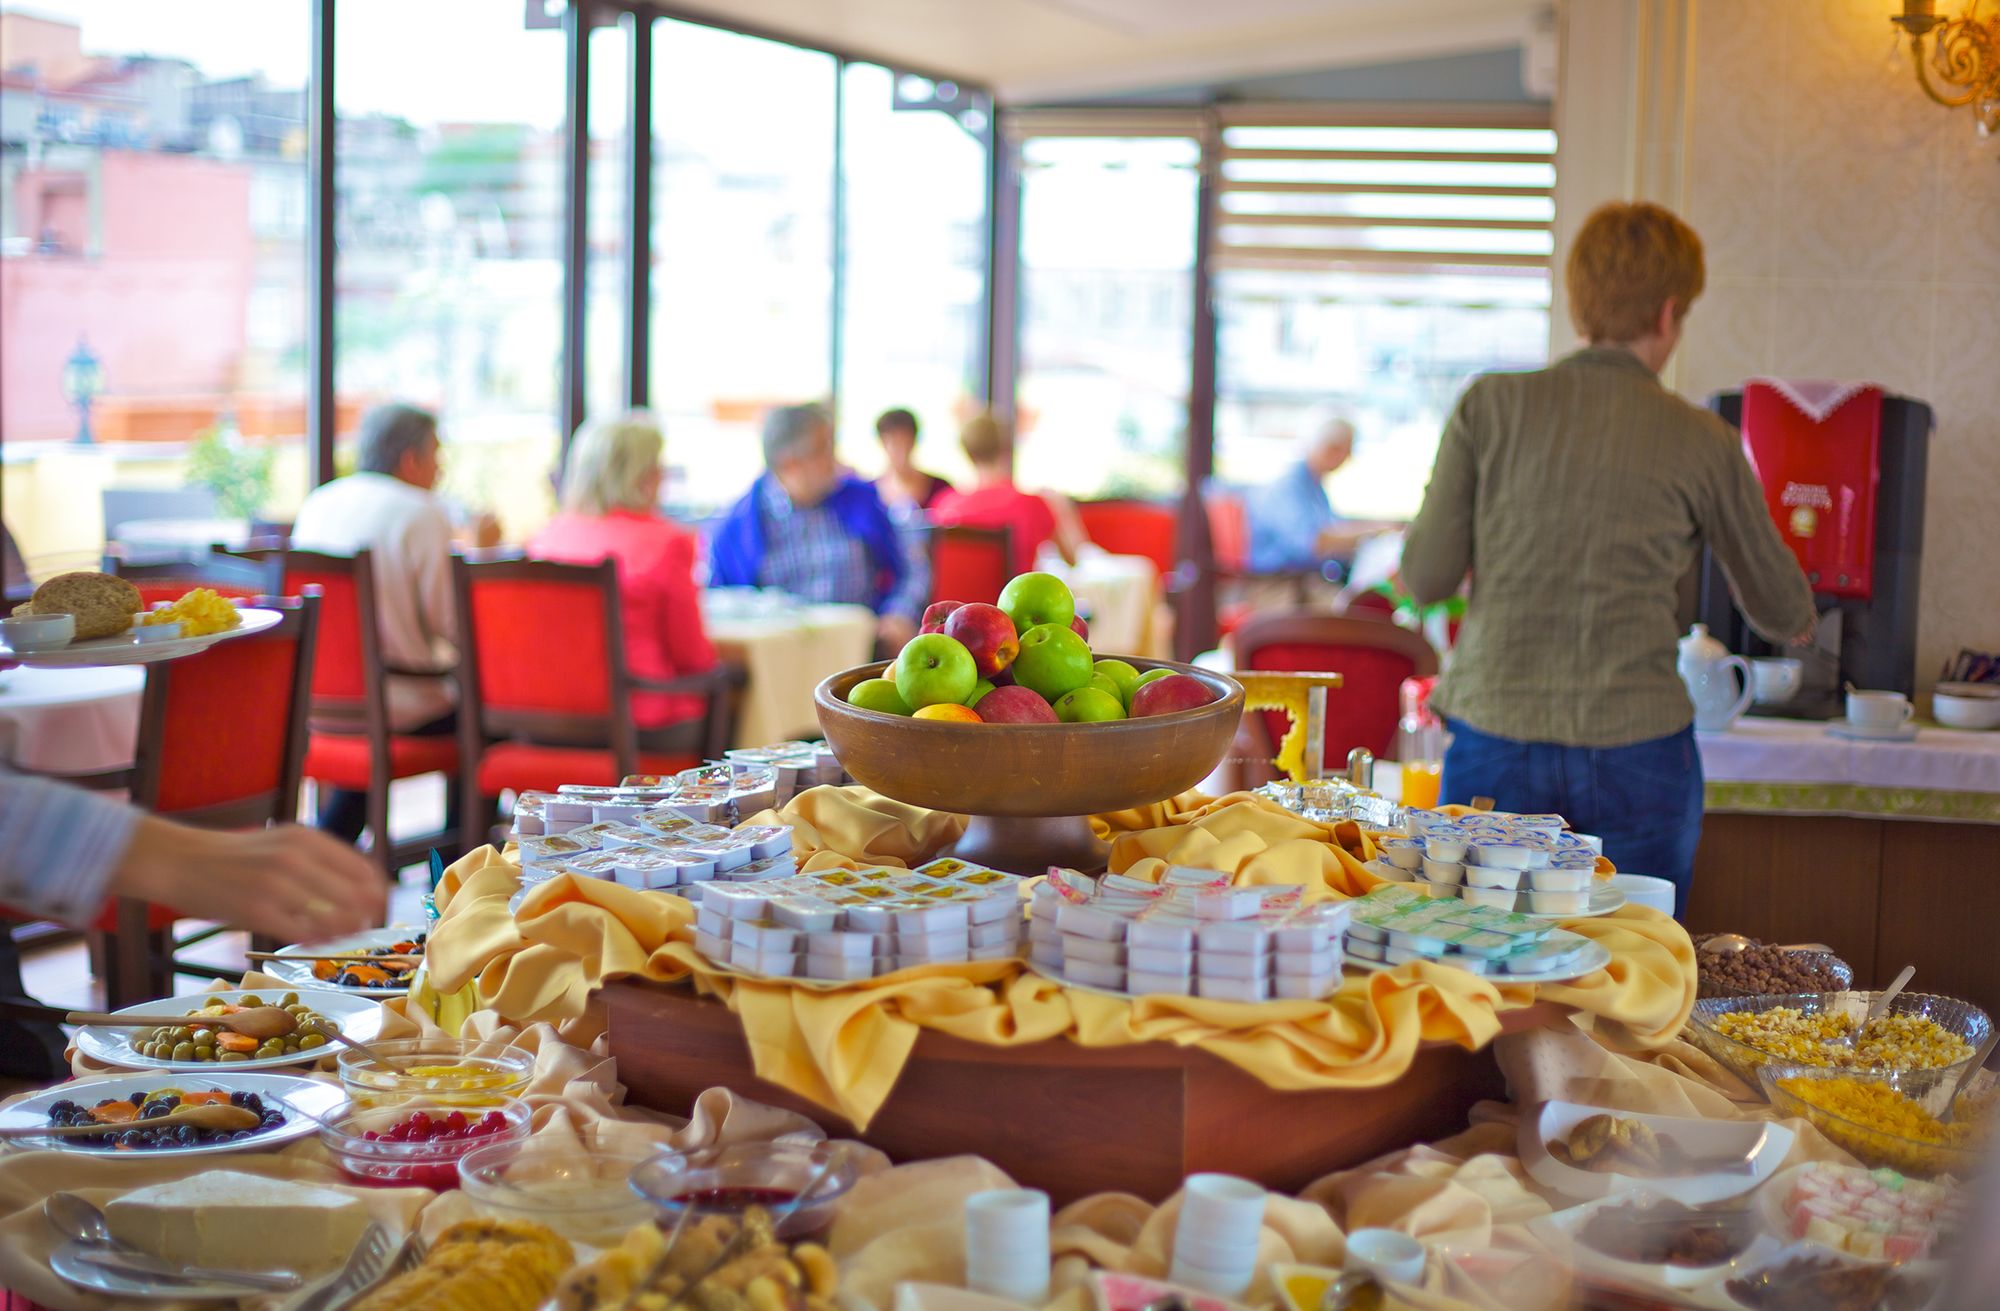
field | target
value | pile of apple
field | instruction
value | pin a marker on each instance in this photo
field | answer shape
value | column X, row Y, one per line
column 1024, row 661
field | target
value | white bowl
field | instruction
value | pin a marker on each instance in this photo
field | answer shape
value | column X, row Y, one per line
column 1975, row 712
column 1562, row 1231
column 1719, row 1138
column 29, row 633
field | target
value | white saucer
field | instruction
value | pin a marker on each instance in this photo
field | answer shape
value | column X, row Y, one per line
column 1901, row 733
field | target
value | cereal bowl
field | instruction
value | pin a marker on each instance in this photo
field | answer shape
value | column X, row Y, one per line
column 1961, row 1021
column 580, row 1192
column 460, row 1071
column 1882, row 1119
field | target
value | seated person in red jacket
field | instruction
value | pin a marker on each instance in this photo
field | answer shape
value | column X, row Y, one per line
column 994, row 501
column 610, row 509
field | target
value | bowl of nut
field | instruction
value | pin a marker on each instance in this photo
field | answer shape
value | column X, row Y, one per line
column 1765, row 970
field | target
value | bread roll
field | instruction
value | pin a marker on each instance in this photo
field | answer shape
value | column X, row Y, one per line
column 103, row 605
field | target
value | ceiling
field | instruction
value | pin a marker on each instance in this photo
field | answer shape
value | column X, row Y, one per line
column 1046, row 51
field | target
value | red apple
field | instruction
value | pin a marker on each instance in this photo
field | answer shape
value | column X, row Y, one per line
column 935, row 616
column 1163, row 696
column 1015, row 705
column 987, row 632
column 1080, row 628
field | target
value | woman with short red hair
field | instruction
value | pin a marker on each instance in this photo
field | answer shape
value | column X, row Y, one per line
column 1576, row 497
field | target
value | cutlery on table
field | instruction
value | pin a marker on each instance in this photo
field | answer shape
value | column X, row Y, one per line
column 331, row 1032
column 82, row 1223
column 365, row 1265
column 258, row 1022
column 1972, row 1067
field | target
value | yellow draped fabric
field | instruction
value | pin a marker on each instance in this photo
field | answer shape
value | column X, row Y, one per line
column 844, row 1046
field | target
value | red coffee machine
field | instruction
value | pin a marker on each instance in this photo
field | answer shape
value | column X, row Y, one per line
column 1843, row 471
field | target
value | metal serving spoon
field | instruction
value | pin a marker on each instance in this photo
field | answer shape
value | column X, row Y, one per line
column 78, row 1220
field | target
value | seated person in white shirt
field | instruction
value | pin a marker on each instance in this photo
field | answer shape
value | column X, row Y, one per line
column 387, row 508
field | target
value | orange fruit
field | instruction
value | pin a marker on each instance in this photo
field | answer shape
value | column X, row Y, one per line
column 954, row 714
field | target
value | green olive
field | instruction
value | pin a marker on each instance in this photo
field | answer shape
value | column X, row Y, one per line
column 232, row 1056
column 183, row 1051
column 250, row 999
column 311, row 1041
column 289, row 999
column 181, row 1035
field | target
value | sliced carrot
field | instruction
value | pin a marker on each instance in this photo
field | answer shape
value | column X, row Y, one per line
column 114, row 1113
column 236, row 1042
column 203, row 1098
column 325, row 969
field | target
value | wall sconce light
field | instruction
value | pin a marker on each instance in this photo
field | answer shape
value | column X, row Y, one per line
column 1965, row 55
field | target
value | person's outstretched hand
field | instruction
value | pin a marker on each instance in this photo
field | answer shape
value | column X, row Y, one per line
column 295, row 884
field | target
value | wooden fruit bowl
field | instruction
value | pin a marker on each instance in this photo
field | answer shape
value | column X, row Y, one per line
column 1029, row 788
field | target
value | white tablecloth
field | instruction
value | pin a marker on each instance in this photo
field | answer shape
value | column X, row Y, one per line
column 787, row 654
column 1803, row 751
column 69, row 721
column 1117, row 593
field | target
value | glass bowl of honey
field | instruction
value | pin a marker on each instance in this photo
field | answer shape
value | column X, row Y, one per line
column 449, row 1071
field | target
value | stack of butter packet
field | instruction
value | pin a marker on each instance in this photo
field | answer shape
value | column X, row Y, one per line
column 1396, row 924
column 1527, row 863
column 796, row 765
column 840, row 925
column 1191, row 935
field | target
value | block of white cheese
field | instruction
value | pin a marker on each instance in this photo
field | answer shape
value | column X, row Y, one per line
column 235, row 1221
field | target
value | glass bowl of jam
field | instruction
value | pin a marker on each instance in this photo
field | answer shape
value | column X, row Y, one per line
column 730, row 1179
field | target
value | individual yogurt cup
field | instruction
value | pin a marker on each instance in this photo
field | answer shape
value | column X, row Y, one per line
column 1559, row 880
column 1482, row 876
column 1559, row 903
column 1497, row 898
column 1544, row 824
column 1438, row 890
column 1443, row 871
column 1445, row 843
column 1499, row 852
column 1403, row 853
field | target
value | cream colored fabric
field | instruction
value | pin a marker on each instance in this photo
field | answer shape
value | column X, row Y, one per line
column 787, row 655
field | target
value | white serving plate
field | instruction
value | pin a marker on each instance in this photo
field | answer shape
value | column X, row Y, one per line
column 1561, row 1231
column 124, row 649
column 1595, row 957
column 1055, row 977
column 360, row 1018
column 299, row 976
column 314, row 1096
column 1718, row 1138
column 1770, row 1204
column 1932, row 1271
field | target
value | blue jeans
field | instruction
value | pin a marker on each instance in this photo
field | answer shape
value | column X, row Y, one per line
column 1644, row 800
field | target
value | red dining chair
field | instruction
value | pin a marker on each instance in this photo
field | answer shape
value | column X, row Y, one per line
column 1372, row 658
column 222, row 737
column 1135, row 528
column 545, row 694
column 1229, row 538
column 231, row 576
column 970, row 564
column 351, row 745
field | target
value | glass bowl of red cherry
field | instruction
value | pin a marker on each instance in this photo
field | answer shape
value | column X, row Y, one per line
column 730, row 1179
column 416, row 1143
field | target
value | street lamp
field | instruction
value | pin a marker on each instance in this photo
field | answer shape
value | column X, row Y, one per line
column 82, row 380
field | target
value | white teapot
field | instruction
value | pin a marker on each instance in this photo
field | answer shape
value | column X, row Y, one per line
column 1704, row 666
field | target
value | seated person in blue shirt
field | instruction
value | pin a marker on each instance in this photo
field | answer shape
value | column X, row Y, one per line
column 1292, row 523
column 814, row 529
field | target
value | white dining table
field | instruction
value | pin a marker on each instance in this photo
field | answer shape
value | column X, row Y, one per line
column 786, row 651
column 70, row 721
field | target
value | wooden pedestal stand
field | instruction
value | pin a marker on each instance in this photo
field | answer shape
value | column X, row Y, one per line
column 1072, row 1120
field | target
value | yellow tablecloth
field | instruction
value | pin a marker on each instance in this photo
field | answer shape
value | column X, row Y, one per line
column 786, row 656
column 843, row 1047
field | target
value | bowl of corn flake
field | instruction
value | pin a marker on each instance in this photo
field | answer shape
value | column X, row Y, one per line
column 1830, row 1030
column 1891, row 1119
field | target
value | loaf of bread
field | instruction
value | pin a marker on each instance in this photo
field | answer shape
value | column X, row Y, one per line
column 103, row 605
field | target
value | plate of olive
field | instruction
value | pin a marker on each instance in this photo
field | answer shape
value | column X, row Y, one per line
column 191, row 1047
column 285, row 1106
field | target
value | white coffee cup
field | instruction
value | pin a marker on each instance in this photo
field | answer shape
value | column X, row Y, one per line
column 1390, row 1256
column 1007, row 1244
column 1878, row 712
column 1776, row 679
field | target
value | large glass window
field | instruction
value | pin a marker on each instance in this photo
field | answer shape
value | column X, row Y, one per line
column 1107, row 292
column 608, row 176
column 450, row 222
column 914, row 193
column 152, row 271
column 742, row 246
column 1367, row 273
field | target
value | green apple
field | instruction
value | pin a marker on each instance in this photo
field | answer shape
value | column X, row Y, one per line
column 1106, row 683
column 1053, row 661
column 1088, row 705
column 1124, row 675
column 1032, row 599
column 979, row 689
column 1150, row 676
column 934, row 670
column 878, row 694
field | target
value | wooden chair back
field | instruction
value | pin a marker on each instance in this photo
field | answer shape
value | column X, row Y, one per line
column 232, row 576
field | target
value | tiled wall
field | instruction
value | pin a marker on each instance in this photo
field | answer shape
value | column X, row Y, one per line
column 1853, row 231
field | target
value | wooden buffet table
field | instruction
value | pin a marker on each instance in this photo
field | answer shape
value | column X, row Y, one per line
column 1069, row 1119
column 1887, row 852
